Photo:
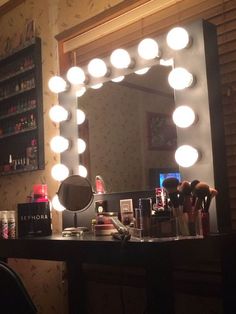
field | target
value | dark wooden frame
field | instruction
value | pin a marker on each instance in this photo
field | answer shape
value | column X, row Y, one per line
column 11, row 4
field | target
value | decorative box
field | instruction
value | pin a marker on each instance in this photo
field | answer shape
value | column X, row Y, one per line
column 34, row 219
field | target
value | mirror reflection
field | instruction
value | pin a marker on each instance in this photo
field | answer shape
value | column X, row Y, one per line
column 130, row 129
column 75, row 193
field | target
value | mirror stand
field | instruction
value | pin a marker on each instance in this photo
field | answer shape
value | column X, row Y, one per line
column 76, row 195
column 75, row 230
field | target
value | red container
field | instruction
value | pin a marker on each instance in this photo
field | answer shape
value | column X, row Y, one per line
column 40, row 193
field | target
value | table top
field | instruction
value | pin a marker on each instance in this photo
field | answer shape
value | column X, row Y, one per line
column 101, row 249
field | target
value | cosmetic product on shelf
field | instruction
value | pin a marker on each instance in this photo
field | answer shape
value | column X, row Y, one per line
column 32, row 155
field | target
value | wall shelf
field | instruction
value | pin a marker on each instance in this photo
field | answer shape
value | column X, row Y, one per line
column 6, row 116
column 21, row 110
column 15, row 74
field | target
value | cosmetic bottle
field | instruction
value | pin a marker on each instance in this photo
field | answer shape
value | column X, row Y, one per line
column 11, row 225
column 144, row 212
column 4, row 225
column 161, row 199
column 40, row 193
column 10, row 162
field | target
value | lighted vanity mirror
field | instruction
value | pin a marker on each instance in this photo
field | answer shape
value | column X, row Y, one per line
column 128, row 109
column 131, row 130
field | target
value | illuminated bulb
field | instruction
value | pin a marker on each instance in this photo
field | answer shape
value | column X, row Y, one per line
column 186, row 156
column 118, row 79
column 97, row 68
column 180, row 78
column 80, row 115
column 97, row 86
column 75, row 75
column 57, row 84
column 177, row 38
column 120, row 59
column 148, row 49
column 183, row 116
column 81, row 146
column 56, row 204
column 59, row 172
column 58, row 114
column 142, row 71
column 83, row 171
column 167, row 62
column 80, row 92
column 59, row 144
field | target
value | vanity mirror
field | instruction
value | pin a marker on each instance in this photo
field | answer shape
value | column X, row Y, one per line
column 206, row 136
column 130, row 130
column 76, row 195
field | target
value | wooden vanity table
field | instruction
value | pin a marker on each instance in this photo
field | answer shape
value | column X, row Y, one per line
column 204, row 267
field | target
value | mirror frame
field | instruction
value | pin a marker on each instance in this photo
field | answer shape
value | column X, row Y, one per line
column 213, row 166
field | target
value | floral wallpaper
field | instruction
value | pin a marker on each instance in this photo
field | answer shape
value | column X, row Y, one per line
column 43, row 279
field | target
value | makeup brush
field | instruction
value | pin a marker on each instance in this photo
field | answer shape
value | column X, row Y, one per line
column 185, row 190
column 201, row 192
column 170, row 185
column 213, row 193
column 185, row 207
column 176, row 198
column 192, row 185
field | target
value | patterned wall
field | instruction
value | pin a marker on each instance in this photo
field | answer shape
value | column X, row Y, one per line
column 43, row 279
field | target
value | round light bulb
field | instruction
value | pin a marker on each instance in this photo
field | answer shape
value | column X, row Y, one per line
column 142, row 71
column 59, row 144
column 80, row 92
column 118, row 79
column 57, row 84
column 180, row 78
column 56, row 204
column 177, row 38
column 120, row 59
column 75, row 75
column 148, row 49
column 97, row 67
column 186, row 156
column 80, row 115
column 83, row 172
column 183, row 116
column 81, row 145
column 59, row 172
column 58, row 114
column 97, row 86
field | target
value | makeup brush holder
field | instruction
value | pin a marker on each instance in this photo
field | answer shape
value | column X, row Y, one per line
column 162, row 227
column 158, row 227
column 198, row 223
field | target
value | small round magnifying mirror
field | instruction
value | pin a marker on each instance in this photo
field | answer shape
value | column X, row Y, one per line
column 75, row 194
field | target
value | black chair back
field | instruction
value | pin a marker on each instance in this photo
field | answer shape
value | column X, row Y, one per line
column 14, row 298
